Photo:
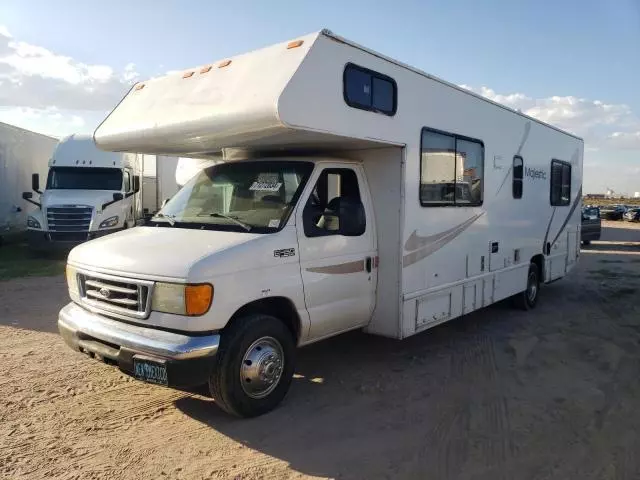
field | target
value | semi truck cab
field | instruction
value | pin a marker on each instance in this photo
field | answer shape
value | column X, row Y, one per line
column 88, row 193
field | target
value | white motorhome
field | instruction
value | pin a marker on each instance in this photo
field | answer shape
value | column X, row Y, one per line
column 22, row 152
column 322, row 219
column 90, row 193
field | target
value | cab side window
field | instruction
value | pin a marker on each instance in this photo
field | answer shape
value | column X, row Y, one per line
column 335, row 207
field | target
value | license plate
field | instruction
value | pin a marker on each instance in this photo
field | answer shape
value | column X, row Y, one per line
column 150, row 371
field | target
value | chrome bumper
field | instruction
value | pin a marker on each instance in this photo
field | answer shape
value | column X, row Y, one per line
column 83, row 330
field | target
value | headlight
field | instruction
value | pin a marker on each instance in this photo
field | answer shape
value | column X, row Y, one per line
column 33, row 223
column 72, row 279
column 109, row 222
column 182, row 299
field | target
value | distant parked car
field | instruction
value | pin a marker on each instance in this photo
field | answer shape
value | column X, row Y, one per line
column 591, row 225
column 613, row 212
column 632, row 215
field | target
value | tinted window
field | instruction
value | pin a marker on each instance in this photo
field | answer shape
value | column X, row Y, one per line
column 560, row 183
column 451, row 170
column 358, row 87
column 383, row 95
column 518, row 171
column 369, row 90
column 81, row 178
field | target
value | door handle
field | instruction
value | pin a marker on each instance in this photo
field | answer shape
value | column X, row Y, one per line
column 367, row 264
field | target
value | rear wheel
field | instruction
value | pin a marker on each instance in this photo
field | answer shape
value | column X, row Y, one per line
column 528, row 299
column 254, row 366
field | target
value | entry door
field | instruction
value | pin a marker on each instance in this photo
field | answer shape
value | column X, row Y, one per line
column 338, row 271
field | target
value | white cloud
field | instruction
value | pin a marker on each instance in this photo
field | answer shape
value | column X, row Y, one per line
column 35, row 77
column 599, row 123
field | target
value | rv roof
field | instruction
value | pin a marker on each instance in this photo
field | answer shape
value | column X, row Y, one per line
column 284, row 97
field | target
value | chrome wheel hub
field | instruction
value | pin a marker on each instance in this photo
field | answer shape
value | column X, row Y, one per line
column 261, row 367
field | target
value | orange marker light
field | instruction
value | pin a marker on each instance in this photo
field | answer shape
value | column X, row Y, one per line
column 140, row 86
column 205, row 69
column 187, row 75
column 294, row 44
column 226, row 63
column 197, row 299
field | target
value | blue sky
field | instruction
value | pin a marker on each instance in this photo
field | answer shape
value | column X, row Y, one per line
column 573, row 63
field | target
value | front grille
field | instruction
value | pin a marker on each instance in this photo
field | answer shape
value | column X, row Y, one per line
column 68, row 236
column 72, row 218
column 117, row 295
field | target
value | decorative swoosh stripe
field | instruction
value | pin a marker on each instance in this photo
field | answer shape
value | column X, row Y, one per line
column 424, row 246
column 340, row 268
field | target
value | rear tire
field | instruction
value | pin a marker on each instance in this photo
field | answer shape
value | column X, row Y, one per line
column 528, row 299
column 254, row 366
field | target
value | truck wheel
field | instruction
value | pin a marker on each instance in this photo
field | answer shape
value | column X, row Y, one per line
column 528, row 299
column 254, row 366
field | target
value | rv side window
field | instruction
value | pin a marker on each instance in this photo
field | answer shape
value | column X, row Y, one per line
column 518, row 171
column 127, row 181
column 451, row 170
column 560, row 183
column 369, row 90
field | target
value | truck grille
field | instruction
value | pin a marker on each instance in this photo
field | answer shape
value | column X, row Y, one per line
column 131, row 298
column 72, row 218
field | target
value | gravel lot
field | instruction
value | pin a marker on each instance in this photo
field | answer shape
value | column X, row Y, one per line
column 499, row 394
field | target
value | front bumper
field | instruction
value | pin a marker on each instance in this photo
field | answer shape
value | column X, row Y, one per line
column 42, row 240
column 189, row 358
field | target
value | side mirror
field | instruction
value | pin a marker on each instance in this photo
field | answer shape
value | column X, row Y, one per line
column 116, row 198
column 35, row 182
column 28, row 196
column 136, row 183
column 353, row 220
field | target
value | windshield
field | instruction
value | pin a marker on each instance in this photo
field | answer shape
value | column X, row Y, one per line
column 81, row 178
column 255, row 196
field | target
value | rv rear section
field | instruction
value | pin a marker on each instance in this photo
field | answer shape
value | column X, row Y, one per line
column 388, row 200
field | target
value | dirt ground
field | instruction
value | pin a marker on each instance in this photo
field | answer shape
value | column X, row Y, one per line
column 499, row 394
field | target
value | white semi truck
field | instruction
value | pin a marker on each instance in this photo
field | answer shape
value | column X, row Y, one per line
column 318, row 222
column 90, row 193
column 22, row 152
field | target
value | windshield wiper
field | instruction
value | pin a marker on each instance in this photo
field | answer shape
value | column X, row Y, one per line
column 246, row 226
column 168, row 218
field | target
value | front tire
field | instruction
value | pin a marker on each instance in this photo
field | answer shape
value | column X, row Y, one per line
column 254, row 366
column 528, row 299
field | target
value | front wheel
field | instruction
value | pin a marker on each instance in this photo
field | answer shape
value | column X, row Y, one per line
column 254, row 366
column 528, row 299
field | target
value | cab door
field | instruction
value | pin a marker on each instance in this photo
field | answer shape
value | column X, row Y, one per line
column 337, row 246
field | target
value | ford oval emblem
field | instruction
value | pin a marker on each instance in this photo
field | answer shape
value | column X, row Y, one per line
column 105, row 292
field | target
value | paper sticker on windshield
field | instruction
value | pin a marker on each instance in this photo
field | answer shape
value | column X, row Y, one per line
column 265, row 186
column 274, row 223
